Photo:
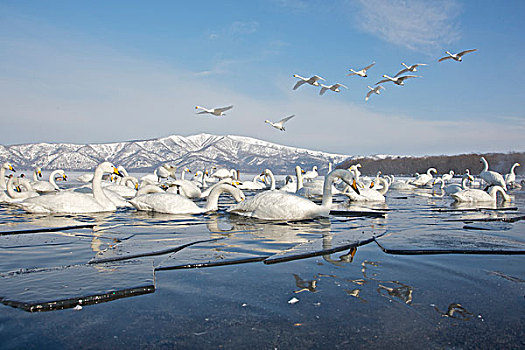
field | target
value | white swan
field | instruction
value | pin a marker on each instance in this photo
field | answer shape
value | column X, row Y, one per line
column 412, row 68
column 400, row 185
column 289, row 185
column 3, row 181
column 185, row 187
column 455, row 56
column 492, row 178
column 37, row 173
column 12, row 196
column 368, row 194
column 311, row 174
column 510, row 178
column 73, row 202
column 280, row 124
column 170, row 203
column 448, row 177
column 376, row 90
column 255, row 184
column 219, row 112
column 51, row 185
column 362, row 72
column 309, row 189
column 224, row 173
column 474, row 195
column 127, row 187
column 396, row 80
column 333, row 87
column 454, row 188
column 423, row 179
column 314, row 81
column 280, row 205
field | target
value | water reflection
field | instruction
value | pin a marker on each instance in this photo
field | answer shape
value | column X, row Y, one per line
column 456, row 311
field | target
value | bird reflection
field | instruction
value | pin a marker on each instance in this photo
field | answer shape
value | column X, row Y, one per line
column 455, row 310
column 402, row 292
column 305, row 285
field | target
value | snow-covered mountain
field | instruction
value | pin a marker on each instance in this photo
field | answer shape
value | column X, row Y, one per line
column 197, row 152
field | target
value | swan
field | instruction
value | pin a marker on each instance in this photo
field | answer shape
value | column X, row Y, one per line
column 368, row 194
column 127, row 186
column 334, row 88
column 251, row 185
column 448, row 177
column 289, row 185
column 37, row 173
column 280, row 124
column 219, row 112
column 311, row 174
column 510, row 178
column 170, row 203
column 224, row 173
column 49, row 186
column 423, row 179
column 309, row 189
column 5, row 166
column 400, row 185
column 12, row 196
column 492, row 178
column 475, row 195
column 362, row 72
column 396, row 80
column 314, row 80
column 185, row 187
column 454, row 188
column 280, row 205
column 412, row 68
column 376, row 90
column 456, row 56
column 67, row 202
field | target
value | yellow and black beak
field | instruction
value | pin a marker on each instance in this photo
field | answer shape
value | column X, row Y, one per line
column 372, row 184
column 18, row 189
column 39, row 173
column 136, row 186
column 64, row 177
column 116, row 172
column 11, row 168
column 354, row 186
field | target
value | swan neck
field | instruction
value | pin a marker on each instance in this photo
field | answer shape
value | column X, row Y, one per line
column 272, row 178
column 10, row 191
column 3, row 181
column 327, row 186
column 52, row 178
column 299, row 178
column 386, row 185
column 98, row 192
column 212, row 203
column 485, row 164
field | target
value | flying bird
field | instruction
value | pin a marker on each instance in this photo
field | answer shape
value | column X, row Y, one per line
column 362, row 72
column 376, row 90
column 280, row 124
column 219, row 112
column 412, row 68
column 334, row 88
column 455, row 56
column 397, row 80
column 312, row 80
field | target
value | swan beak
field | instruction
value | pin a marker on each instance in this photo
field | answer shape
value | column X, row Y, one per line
column 18, row 189
column 11, row 168
column 116, row 172
column 354, row 186
column 39, row 174
column 64, row 177
column 372, row 184
column 303, row 172
column 136, row 186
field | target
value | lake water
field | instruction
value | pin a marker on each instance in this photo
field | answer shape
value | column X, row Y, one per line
column 448, row 277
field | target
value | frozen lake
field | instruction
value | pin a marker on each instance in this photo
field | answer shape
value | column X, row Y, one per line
column 425, row 274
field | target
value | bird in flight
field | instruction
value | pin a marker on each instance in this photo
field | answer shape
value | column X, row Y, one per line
column 219, row 112
column 362, row 72
column 412, row 68
column 455, row 56
column 334, row 88
column 312, row 80
column 376, row 90
column 397, row 80
column 280, row 124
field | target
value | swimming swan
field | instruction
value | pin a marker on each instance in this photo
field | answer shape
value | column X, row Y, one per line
column 49, row 186
column 423, row 179
column 12, row 196
column 474, row 195
column 68, row 202
column 510, row 178
column 3, row 182
column 170, row 203
column 368, row 194
column 280, row 205
column 492, row 178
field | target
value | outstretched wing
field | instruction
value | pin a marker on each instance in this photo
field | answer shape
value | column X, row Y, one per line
column 401, row 72
column 350, row 74
column 224, row 109
column 315, row 78
column 382, row 81
column 323, row 90
column 444, row 58
column 368, row 95
column 369, row 66
column 203, row 112
column 299, row 83
column 340, row 85
column 408, row 76
column 284, row 120
column 466, row 51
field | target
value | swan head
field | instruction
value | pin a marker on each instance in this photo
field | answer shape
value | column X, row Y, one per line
column 8, row 166
column 267, row 121
column 107, row 167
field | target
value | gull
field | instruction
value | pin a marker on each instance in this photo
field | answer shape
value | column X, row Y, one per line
column 219, row 112
column 312, row 80
column 362, row 72
column 455, row 56
column 412, row 68
column 280, row 124
column 397, row 80
column 334, row 88
column 376, row 90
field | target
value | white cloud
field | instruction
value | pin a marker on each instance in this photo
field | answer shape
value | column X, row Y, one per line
column 415, row 24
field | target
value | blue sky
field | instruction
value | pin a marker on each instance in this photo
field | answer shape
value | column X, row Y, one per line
column 103, row 71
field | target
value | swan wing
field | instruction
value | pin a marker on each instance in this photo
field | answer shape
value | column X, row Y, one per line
column 369, row 66
column 408, row 76
column 323, row 90
column 464, row 52
column 284, row 120
column 350, row 74
column 383, row 81
column 368, row 94
column 298, row 84
column 65, row 203
column 401, row 72
column 444, row 58
column 223, row 109
column 167, row 203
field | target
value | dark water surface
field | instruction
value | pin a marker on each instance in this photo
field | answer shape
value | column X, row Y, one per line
column 134, row 275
